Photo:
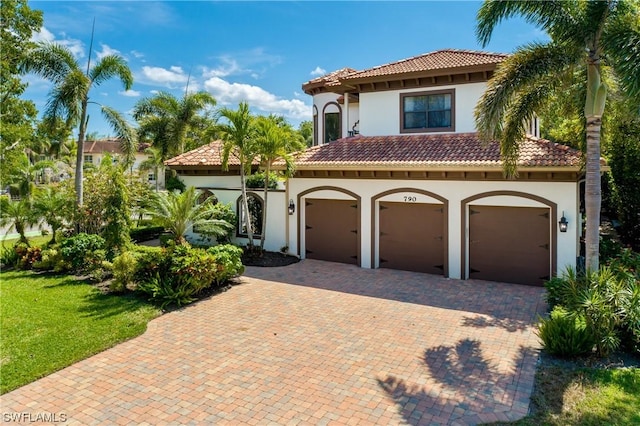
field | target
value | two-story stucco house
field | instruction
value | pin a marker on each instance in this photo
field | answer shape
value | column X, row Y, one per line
column 94, row 151
column 398, row 178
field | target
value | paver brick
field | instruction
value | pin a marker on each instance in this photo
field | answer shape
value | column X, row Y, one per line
column 314, row 343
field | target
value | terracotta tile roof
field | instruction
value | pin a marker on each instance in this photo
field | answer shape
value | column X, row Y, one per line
column 438, row 60
column 112, row 146
column 206, row 155
column 457, row 150
column 332, row 78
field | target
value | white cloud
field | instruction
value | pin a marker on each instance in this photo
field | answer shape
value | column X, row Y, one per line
column 130, row 93
column 318, row 71
column 233, row 93
column 169, row 77
column 137, row 54
column 43, row 35
column 229, row 66
column 75, row 46
column 106, row 50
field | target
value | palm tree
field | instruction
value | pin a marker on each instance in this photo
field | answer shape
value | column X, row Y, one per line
column 154, row 162
column 24, row 174
column 69, row 97
column 52, row 207
column 167, row 120
column 586, row 34
column 17, row 215
column 274, row 141
column 125, row 133
column 238, row 134
column 178, row 211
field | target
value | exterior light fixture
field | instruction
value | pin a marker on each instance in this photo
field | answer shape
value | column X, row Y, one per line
column 563, row 223
column 292, row 208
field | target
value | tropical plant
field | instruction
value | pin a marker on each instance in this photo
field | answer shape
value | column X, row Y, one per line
column 17, row 215
column 153, row 162
column 83, row 252
column 274, row 141
column 117, row 211
column 24, row 173
column 563, row 334
column 177, row 212
column 53, row 207
column 238, row 136
column 167, row 120
column 583, row 34
column 69, row 97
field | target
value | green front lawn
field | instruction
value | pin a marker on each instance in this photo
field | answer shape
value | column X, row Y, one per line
column 49, row 322
column 585, row 397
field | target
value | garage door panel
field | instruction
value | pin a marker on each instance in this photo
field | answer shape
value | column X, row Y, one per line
column 510, row 244
column 331, row 230
column 411, row 237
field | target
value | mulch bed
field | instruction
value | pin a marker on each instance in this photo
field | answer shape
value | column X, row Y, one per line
column 268, row 259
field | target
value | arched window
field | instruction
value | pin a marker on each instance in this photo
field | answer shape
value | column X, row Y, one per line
column 315, row 125
column 332, row 122
column 255, row 204
column 205, row 195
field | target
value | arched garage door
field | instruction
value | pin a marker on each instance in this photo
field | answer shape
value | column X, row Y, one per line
column 509, row 244
column 331, row 230
column 412, row 237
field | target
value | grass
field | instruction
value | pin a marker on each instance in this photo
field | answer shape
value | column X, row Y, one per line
column 584, row 397
column 38, row 241
column 49, row 322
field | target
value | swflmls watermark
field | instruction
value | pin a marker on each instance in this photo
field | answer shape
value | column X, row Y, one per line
column 29, row 417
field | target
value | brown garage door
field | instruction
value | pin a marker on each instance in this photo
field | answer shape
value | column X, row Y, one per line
column 332, row 230
column 509, row 244
column 412, row 237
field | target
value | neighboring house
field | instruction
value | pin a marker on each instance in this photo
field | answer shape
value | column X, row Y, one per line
column 95, row 151
column 399, row 179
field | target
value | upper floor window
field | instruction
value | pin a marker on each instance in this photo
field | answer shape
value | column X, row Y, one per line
column 427, row 111
column 331, row 122
column 88, row 159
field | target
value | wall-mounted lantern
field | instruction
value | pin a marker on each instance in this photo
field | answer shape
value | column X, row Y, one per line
column 292, row 208
column 563, row 223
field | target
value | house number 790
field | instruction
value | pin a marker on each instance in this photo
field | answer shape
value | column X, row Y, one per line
column 410, row 199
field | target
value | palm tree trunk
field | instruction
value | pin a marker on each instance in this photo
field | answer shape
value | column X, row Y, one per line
column 245, row 206
column 157, row 176
column 593, row 194
column 264, row 207
column 80, row 156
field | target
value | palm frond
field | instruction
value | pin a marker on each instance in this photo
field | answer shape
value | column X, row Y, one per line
column 124, row 131
column 111, row 66
column 550, row 15
column 621, row 41
column 50, row 61
column 524, row 68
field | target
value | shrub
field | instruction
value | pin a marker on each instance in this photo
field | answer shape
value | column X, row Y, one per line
column 51, row 259
column 83, row 251
column 8, row 257
column 124, row 268
column 145, row 233
column 563, row 334
column 256, row 180
column 177, row 274
column 229, row 260
column 30, row 256
column 173, row 183
column 607, row 300
column 164, row 290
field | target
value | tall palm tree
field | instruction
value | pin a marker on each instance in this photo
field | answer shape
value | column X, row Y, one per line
column 587, row 34
column 168, row 120
column 275, row 140
column 238, row 136
column 69, row 97
column 178, row 211
column 53, row 207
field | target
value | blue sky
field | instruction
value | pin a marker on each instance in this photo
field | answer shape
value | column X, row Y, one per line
column 260, row 52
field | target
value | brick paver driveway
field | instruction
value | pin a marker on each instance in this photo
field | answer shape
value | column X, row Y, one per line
column 313, row 343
